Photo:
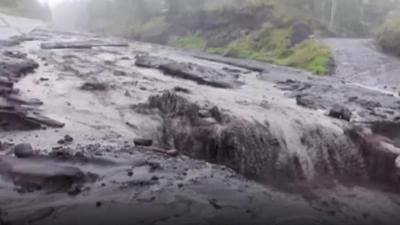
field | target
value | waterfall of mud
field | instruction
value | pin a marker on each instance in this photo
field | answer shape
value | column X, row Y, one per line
column 257, row 151
column 377, row 145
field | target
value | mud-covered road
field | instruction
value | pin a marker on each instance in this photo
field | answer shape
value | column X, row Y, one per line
column 361, row 61
column 132, row 133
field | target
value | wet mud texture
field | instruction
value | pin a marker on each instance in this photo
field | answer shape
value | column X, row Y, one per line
column 276, row 145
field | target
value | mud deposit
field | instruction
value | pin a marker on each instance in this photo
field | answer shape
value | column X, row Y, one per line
column 133, row 133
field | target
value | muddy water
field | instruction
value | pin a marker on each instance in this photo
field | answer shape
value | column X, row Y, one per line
column 272, row 139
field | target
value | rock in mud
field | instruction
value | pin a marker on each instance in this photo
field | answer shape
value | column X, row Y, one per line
column 90, row 86
column 306, row 101
column 44, row 120
column 182, row 89
column 9, row 43
column 204, row 113
column 23, row 151
column 397, row 162
column 119, row 73
column 190, row 71
column 147, row 61
column 15, row 54
column 200, row 74
column 128, row 93
column 6, row 82
column 365, row 104
column 42, row 173
column 300, row 32
column 24, row 101
column 80, row 45
column 12, row 67
column 143, row 142
column 340, row 112
column 68, row 138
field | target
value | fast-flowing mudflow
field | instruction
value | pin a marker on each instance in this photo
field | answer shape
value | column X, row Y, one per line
column 120, row 127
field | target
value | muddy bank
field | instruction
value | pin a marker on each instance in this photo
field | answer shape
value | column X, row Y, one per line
column 18, row 112
column 218, row 27
column 158, row 188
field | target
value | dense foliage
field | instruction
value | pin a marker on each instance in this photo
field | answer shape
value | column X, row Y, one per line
column 27, row 8
column 341, row 17
column 389, row 36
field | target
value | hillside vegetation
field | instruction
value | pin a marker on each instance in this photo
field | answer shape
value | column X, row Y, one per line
column 389, row 36
column 284, row 32
column 25, row 8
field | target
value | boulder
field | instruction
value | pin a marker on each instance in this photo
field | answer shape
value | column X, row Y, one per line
column 94, row 86
column 340, row 112
column 190, row 71
column 300, row 32
column 68, row 138
column 306, row 101
column 143, row 142
column 23, row 150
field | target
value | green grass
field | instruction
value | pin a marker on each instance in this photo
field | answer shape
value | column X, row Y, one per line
column 190, row 43
column 153, row 27
column 216, row 51
column 266, row 45
column 311, row 55
column 272, row 45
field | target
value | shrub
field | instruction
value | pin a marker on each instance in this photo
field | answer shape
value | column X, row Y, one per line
column 311, row 55
column 389, row 36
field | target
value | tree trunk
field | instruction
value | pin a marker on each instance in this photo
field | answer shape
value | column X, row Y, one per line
column 333, row 14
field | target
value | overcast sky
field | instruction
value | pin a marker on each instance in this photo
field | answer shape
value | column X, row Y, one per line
column 52, row 3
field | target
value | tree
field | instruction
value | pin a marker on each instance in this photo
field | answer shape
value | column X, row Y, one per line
column 28, row 8
column 333, row 14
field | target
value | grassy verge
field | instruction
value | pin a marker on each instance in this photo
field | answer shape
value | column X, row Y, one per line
column 311, row 55
column 189, row 43
column 273, row 46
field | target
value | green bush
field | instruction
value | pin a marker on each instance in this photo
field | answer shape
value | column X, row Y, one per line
column 216, row 51
column 389, row 36
column 26, row 8
column 311, row 55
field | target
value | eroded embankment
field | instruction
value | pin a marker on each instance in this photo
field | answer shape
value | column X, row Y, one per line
column 253, row 149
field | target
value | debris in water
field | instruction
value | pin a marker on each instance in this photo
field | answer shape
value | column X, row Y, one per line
column 143, row 142
column 340, row 112
column 23, row 150
column 94, row 86
column 80, row 45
